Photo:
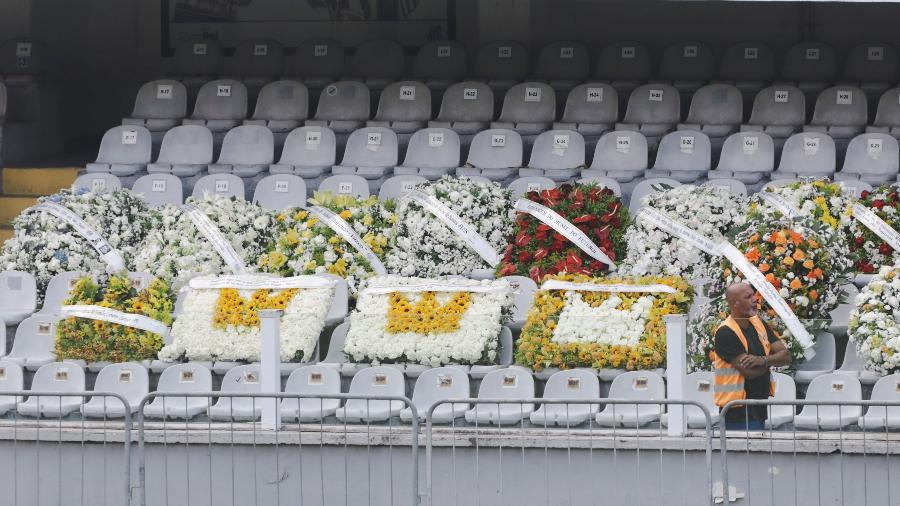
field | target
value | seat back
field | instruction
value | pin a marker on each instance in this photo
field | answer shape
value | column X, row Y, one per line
column 18, row 292
column 371, row 147
column 248, row 144
column 314, row 379
column 310, row 146
column 624, row 61
column 194, row 58
column 573, row 384
column 335, row 353
column 97, row 182
column 161, row 99
column 35, row 337
column 592, row 103
column 242, row 379
column 684, row 150
column 404, row 101
column 522, row 185
column 126, row 145
column 830, row 388
column 779, row 105
column 716, row 104
column 841, row 106
column 280, row 191
column 187, row 378
column 603, row 182
column 12, row 378
column 58, row 377
column 159, row 189
column 282, row 101
column 809, row 61
column 58, row 290
column 872, row 154
column 345, row 184
column 733, row 186
column 378, row 58
column 872, row 63
column 825, row 354
column 687, row 61
column 495, row 149
column 130, row 380
column 501, row 59
column 507, row 383
column 468, row 101
column 888, row 112
column 440, row 59
column 223, row 185
column 621, row 150
column 887, row 388
column 557, row 149
column 653, row 103
column 188, row 145
column 748, row 61
column 378, row 380
column 649, row 187
column 639, row 386
column 437, row 384
column 564, row 60
column 316, row 58
column 699, row 388
column 747, row 152
column 523, row 294
column 222, row 99
column 855, row 187
column 529, row 103
column 257, row 58
column 23, row 56
column 433, row 148
column 344, row 101
column 397, row 186
column 808, row 152
column 785, row 387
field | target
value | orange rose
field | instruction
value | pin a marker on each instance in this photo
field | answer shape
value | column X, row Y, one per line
column 808, row 264
column 764, row 267
column 798, row 255
column 779, row 251
column 796, row 284
column 813, row 244
column 788, row 261
column 780, row 238
column 773, row 280
column 813, row 294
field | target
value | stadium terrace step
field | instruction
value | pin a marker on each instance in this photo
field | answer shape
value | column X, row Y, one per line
column 28, row 181
column 10, row 207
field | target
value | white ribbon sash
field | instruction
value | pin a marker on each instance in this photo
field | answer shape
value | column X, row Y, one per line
column 554, row 284
column 460, row 227
column 877, row 225
column 343, row 229
column 435, row 287
column 107, row 253
column 564, row 227
column 113, row 316
column 258, row 282
column 215, row 237
column 780, row 203
column 673, row 227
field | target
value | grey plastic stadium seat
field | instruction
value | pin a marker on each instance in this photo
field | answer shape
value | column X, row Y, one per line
column 873, row 158
column 335, row 357
column 504, row 356
column 11, row 380
column 557, row 154
column 159, row 106
column 438, row 384
column 523, row 293
column 224, row 185
column 502, row 63
column 346, row 184
column 854, row 365
column 572, row 384
column 159, row 189
column 124, row 151
column 54, row 377
column 432, row 153
column 683, row 156
column 528, row 108
column 466, row 108
column 495, row 154
column 240, row 379
column 698, row 388
column 397, row 186
column 371, row 153
column 129, row 380
column 687, row 65
column 309, row 152
column 58, row 291
column 749, row 66
column 822, row 363
column 311, row 380
column 404, row 107
column 649, row 187
column 841, row 112
column 785, row 390
column 221, row 105
column 653, row 110
column 626, row 65
column 620, row 155
column 316, row 62
column 377, row 62
column 716, row 110
column 748, row 157
column 563, row 64
column 887, row 116
column 377, row 381
column 883, row 417
column 440, row 63
column 807, row 154
column 733, row 186
column 834, row 387
column 634, row 385
column 343, row 107
column 280, row 191
column 281, row 106
column 186, row 151
column 873, row 67
column 778, row 111
column 246, row 151
column 23, row 60
column 181, row 378
column 522, row 185
column 811, row 66
column 591, row 110
column 97, row 182
column 198, row 60
column 509, row 383
column 603, row 182
column 18, row 296
column 855, row 187
column 256, row 62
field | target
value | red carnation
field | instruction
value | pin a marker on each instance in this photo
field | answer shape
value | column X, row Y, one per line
column 878, row 204
column 867, row 268
column 864, row 194
column 859, row 240
column 885, row 249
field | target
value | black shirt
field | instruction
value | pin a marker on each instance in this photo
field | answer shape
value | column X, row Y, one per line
column 729, row 347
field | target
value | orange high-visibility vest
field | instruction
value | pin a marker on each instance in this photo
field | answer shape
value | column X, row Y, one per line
column 729, row 383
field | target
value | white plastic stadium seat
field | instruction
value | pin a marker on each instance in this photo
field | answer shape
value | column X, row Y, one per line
column 58, row 291
column 223, row 185
column 572, row 384
column 54, row 377
column 522, row 185
column 698, row 388
column 785, row 390
column 439, row 383
column 779, row 112
column 748, row 157
column 35, row 341
column 371, row 153
column 495, row 154
column 807, row 154
column 528, row 109
column 240, row 379
column 466, row 108
column 159, row 106
column 343, row 107
column 653, row 110
column 822, row 363
column 280, row 191
column 345, row 184
column 221, row 105
column 186, row 151
column 100, row 182
column 281, row 107
column 377, row 381
column 246, row 151
column 510, row 383
column 124, row 151
column 18, row 296
column 826, row 388
column 557, row 154
column 313, row 380
column 591, row 110
column 684, row 155
column 397, row 186
column 309, row 152
column 159, row 189
column 634, row 385
column 648, row 187
column 11, row 380
column 432, row 153
column 620, row 155
column 404, row 107
column 129, row 380
column 883, row 417
column 181, row 378
column 872, row 158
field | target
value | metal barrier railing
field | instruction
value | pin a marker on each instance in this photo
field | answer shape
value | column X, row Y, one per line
column 830, row 427
column 244, row 481
column 80, row 476
column 577, row 438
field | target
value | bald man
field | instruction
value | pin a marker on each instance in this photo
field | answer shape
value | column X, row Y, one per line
column 745, row 349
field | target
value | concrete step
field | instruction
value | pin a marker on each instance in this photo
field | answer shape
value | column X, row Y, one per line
column 10, row 207
column 37, row 181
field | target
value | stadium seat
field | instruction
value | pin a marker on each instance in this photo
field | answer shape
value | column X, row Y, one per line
column 466, row 108
column 438, row 384
column 221, row 105
column 159, row 106
column 256, row 62
column 748, row 157
column 698, row 388
column 397, row 186
column 404, row 107
column 54, row 377
column 23, row 60
column 504, row 356
column 717, row 110
column 683, row 156
column 570, row 384
column 887, row 116
column 281, row 107
column 345, row 184
column 512, row 383
column 855, row 187
column 785, row 390
column 97, row 182
column 603, row 182
column 522, row 185
column 810, row 66
column 432, row 153
column 873, row 158
column 18, row 296
column 343, row 107
column 224, row 185
column 638, row 386
column 494, row 154
column 280, row 191
column 562, row 65
column 58, row 291
column 591, row 110
column 620, row 155
column 246, row 151
column 523, row 294
column 854, row 365
column 377, row 381
column 733, row 186
column 653, row 110
column 181, row 378
column 501, row 63
column 371, row 153
column 186, row 151
column 841, row 113
column 834, row 387
column 528, row 108
column 883, row 417
column 311, row 380
column 557, row 154
column 873, row 67
column 687, row 66
column 439, row 64
column 124, row 151
column 130, row 380
column 779, row 112
column 806, row 155
column 337, row 311
column 822, row 363
column 316, row 62
column 649, row 187
column 309, row 152
column 625, row 65
column 196, row 62
column 377, row 62
column 11, row 380
column 159, row 189
column 240, row 379
column 749, row 66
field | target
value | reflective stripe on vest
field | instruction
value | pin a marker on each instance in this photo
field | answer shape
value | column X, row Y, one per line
column 729, row 383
